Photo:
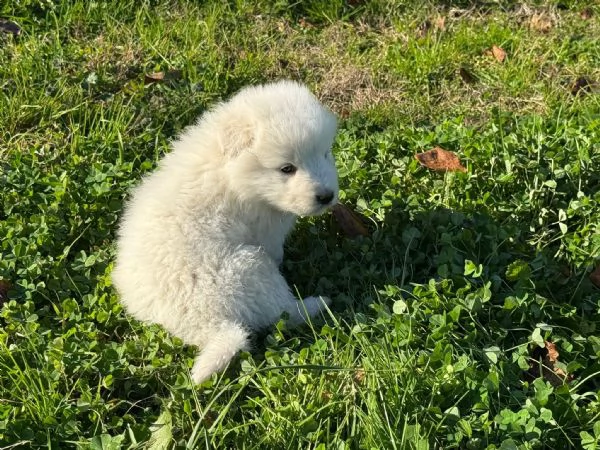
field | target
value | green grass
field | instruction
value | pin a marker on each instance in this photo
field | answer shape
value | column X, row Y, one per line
column 434, row 339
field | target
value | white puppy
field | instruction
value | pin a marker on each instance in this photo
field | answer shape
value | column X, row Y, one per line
column 202, row 237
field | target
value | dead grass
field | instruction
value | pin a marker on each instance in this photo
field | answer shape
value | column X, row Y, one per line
column 121, row 61
column 349, row 64
column 344, row 80
column 350, row 88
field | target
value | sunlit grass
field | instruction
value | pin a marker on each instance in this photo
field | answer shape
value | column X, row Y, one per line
column 431, row 341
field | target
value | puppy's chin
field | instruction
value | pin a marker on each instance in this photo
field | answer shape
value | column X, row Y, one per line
column 305, row 212
column 303, row 209
column 319, row 209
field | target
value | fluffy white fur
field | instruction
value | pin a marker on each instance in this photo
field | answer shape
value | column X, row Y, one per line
column 202, row 238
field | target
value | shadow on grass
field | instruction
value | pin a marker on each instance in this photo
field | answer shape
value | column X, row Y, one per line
column 528, row 286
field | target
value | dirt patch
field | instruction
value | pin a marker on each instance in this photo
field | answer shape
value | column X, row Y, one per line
column 350, row 88
column 117, row 59
column 341, row 81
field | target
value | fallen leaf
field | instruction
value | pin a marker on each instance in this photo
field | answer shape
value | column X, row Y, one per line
column 581, row 86
column 157, row 77
column 498, row 53
column 586, row 13
column 440, row 23
column 542, row 363
column 154, row 77
column 561, row 373
column 540, row 22
column 359, row 376
column 305, row 24
column 595, row 277
column 440, row 160
column 326, row 395
column 552, row 352
column 437, row 24
column 6, row 26
column 467, row 76
column 351, row 223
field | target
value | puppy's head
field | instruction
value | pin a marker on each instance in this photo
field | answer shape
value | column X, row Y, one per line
column 277, row 141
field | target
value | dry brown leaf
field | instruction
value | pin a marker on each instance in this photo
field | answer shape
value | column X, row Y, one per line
column 561, row 374
column 552, row 352
column 586, row 13
column 359, row 376
column 595, row 277
column 6, row 26
column 440, row 23
column 349, row 221
column 555, row 375
column 540, row 22
column 436, row 24
column 157, row 77
column 440, row 160
column 498, row 53
column 154, row 77
column 543, row 364
column 326, row 395
column 305, row 24
column 467, row 76
column 581, row 86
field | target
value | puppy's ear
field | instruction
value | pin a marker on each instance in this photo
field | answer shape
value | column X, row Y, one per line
column 237, row 134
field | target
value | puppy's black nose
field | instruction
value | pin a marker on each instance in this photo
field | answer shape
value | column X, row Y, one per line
column 325, row 197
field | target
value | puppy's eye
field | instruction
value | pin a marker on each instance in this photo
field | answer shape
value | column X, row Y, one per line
column 288, row 169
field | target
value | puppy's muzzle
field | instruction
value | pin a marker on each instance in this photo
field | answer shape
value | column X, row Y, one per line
column 325, row 197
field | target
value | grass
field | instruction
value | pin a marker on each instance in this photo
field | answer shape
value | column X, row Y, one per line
column 441, row 316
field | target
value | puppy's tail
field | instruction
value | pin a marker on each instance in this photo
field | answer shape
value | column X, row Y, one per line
column 228, row 339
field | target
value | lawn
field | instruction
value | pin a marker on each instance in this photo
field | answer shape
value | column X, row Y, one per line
column 468, row 318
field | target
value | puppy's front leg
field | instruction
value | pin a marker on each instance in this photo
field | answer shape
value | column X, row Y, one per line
column 263, row 294
column 303, row 310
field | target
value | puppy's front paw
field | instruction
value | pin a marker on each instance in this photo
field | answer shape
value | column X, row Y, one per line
column 311, row 306
column 323, row 299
